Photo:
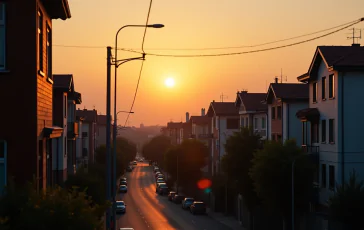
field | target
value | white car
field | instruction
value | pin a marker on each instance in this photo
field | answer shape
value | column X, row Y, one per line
column 123, row 188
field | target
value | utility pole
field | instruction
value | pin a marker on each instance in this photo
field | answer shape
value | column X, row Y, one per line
column 108, row 136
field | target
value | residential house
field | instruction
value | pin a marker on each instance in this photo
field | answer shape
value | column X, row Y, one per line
column 284, row 100
column 224, row 121
column 65, row 99
column 175, row 132
column 101, row 130
column 26, row 69
column 89, row 135
column 253, row 113
column 201, row 128
column 186, row 128
column 80, row 159
column 332, row 123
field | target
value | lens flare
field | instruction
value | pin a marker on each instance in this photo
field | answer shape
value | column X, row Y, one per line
column 204, row 184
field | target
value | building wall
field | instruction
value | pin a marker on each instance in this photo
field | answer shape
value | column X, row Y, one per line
column 101, row 135
column 276, row 124
column 292, row 127
column 259, row 128
column 86, row 140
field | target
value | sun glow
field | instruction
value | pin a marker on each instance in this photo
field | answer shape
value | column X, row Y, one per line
column 169, row 82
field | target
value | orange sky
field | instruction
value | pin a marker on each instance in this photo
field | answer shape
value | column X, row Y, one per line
column 194, row 25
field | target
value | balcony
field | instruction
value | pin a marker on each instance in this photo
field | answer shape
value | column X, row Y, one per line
column 261, row 133
column 205, row 136
column 72, row 130
column 313, row 151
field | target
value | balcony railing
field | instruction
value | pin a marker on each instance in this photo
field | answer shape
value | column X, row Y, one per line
column 205, row 136
column 313, row 151
column 72, row 130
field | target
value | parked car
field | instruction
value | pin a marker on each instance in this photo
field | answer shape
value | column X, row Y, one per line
column 171, row 195
column 163, row 189
column 186, row 203
column 123, row 183
column 156, row 169
column 135, row 163
column 122, row 179
column 159, row 184
column 160, row 176
column 160, row 181
column 120, row 206
column 129, row 169
column 198, row 207
column 178, row 198
column 123, row 188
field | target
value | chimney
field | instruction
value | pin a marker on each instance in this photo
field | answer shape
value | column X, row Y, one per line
column 187, row 116
column 203, row 112
column 356, row 45
column 276, row 80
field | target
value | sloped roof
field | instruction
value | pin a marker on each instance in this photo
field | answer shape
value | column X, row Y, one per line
column 200, row 120
column 287, row 91
column 64, row 81
column 174, row 125
column 251, row 101
column 222, row 109
column 88, row 115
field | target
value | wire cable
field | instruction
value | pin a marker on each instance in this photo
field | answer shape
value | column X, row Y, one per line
column 146, row 24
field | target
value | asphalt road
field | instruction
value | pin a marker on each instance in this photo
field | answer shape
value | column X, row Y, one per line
column 147, row 210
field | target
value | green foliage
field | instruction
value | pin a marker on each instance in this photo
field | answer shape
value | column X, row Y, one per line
column 56, row 208
column 271, row 174
column 237, row 162
column 191, row 158
column 154, row 149
column 347, row 203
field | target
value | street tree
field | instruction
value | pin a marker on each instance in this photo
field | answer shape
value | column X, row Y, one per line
column 154, row 149
column 236, row 163
column 57, row 208
column 347, row 204
column 272, row 177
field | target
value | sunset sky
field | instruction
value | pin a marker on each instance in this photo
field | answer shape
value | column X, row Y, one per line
column 195, row 25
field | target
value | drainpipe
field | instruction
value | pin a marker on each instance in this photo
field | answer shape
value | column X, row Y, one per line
column 219, row 146
column 57, row 168
column 342, row 129
column 282, row 116
column 287, row 121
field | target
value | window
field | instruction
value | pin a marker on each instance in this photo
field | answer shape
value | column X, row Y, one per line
column 273, row 113
column 246, row 122
column 65, row 105
column 255, row 123
column 3, row 165
column 314, row 92
column 232, row 123
column 323, row 131
column 323, row 88
column 279, row 112
column 331, row 86
column 331, row 177
column 2, row 36
column 314, row 133
column 242, row 122
column 49, row 53
column 323, row 175
column 65, row 146
column 263, row 123
column 331, row 131
column 40, row 40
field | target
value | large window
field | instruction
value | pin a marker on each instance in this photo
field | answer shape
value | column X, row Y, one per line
column 2, row 37
column 331, row 86
column 40, row 41
column 49, row 53
column 314, row 133
column 255, row 123
column 323, row 175
column 273, row 112
column 331, row 177
column 331, row 131
column 3, row 165
column 314, row 92
column 232, row 123
column 323, row 131
column 263, row 123
column 323, row 88
column 279, row 112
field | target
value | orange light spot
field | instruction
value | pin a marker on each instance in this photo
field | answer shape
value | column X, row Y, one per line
column 204, row 184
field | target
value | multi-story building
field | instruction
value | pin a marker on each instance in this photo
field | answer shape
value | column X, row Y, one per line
column 284, row 100
column 175, row 132
column 201, row 128
column 89, row 134
column 332, row 123
column 253, row 113
column 101, row 130
column 26, row 149
column 224, row 121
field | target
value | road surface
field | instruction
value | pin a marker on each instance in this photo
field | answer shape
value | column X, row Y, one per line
column 146, row 210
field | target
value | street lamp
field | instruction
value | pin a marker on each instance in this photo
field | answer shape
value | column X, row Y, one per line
column 117, row 63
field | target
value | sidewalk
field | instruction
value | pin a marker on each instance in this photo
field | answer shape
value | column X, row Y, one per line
column 229, row 221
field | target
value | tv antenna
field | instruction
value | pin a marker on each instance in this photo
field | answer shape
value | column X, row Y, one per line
column 222, row 97
column 282, row 76
column 354, row 31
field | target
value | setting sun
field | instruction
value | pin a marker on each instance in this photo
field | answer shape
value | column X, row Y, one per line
column 169, row 82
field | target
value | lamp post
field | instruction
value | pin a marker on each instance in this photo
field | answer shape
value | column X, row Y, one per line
column 117, row 63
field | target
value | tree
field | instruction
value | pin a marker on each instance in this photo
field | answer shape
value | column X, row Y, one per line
column 57, row 208
column 154, row 149
column 272, row 177
column 237, row 162
column 347, row 203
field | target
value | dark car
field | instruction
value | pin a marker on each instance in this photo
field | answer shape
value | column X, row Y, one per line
column 198, row 207
column 178, row 198
column 120, row 207
column 186, row 203
column 159, row 185
column 122, row 179
column 163, row 190
column 129, row 169
column 171, row 195
column 123, row 183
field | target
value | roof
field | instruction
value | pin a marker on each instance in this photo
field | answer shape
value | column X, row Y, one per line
column 88, row 115
column 174, row 125
column 63, row 81
column 251, row 101
column 200, row 120
column 57, row 9
column 288, row 91
column 222, row 109
column 348, row 58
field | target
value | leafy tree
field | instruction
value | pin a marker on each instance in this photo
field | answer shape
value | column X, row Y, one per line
column 154, row 149
column 237, row 162
column 272, row 178
column 56, row 208
column 347, row 203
